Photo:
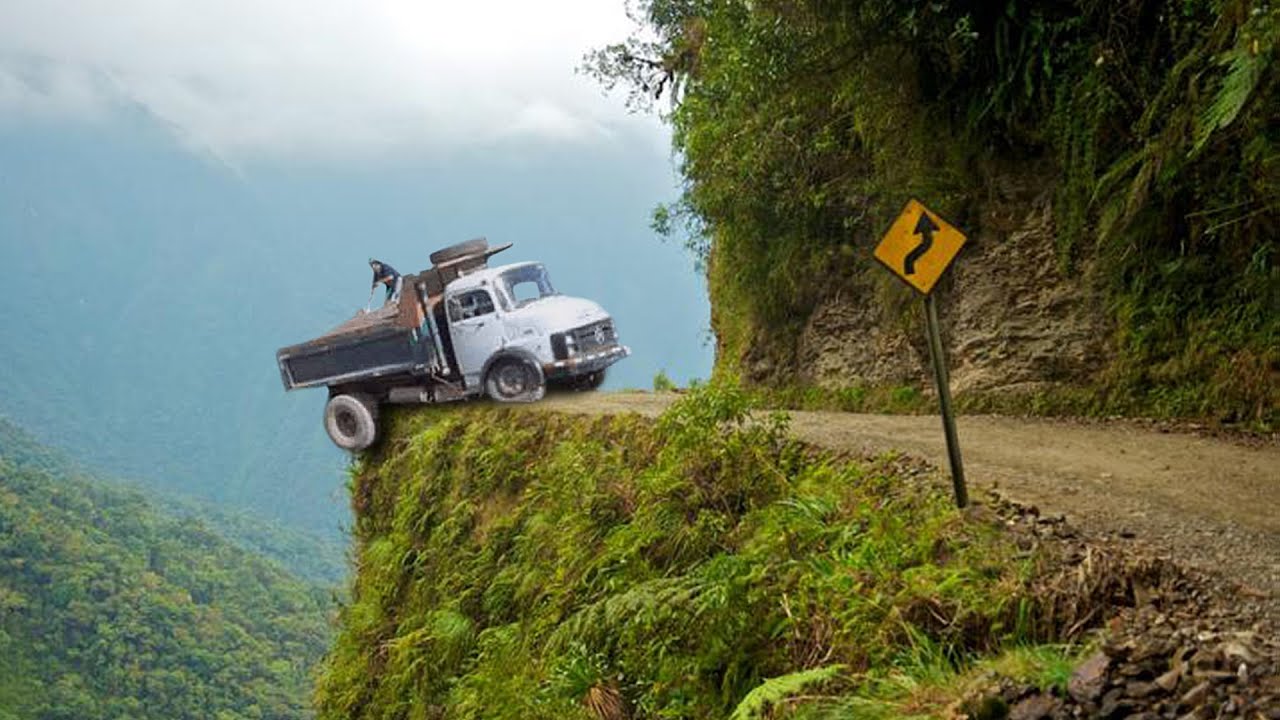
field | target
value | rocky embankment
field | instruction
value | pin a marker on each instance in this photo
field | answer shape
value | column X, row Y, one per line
column 1014, row 316
column 1176, row 643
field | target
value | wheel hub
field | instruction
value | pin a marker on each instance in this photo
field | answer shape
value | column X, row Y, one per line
column 512, row 380
column 346, row 421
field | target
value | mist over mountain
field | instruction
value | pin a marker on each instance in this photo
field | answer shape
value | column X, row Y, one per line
column 144, row 288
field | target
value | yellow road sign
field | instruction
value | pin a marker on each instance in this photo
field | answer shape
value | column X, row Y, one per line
column 919, row 247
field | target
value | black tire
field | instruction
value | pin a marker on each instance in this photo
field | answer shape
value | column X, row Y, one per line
column 462, row 249
column 590, row 381
column 513, row 380
column 351, row 421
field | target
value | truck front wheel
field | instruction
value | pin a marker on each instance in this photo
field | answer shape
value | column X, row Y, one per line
column 515, row 380
column 591, row 381
column 351, row 421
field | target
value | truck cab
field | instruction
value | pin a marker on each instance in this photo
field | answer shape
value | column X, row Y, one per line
column 514, row 311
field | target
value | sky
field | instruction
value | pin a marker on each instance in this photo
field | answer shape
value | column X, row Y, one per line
column 259, row 151
column 336, row 81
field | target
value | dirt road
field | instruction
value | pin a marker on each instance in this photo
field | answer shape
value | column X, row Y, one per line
column 1209, row 503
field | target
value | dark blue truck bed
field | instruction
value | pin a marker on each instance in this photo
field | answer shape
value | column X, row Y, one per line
column 367, row 347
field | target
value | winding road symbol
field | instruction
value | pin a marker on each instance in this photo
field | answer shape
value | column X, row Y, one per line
column 919, row 246
column 925, row 228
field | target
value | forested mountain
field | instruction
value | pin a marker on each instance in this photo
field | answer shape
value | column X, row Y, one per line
column 312, row 556
column 309, row 555
column 110, row 610
column 1116, row 166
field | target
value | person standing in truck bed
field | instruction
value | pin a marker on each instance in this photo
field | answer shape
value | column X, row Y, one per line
column 386, row 275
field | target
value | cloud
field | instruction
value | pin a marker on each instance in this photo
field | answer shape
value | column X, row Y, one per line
column 44, row 89
column 249, row 78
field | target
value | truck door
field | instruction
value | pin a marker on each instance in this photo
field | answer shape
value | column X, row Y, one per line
column 477, row 332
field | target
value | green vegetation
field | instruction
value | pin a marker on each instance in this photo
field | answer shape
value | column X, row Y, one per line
column 1056, row 400
column 703, row 566
column 905, row 399
column 109, row 610
column 311, row 556
column 803, row 126
column 663, row 383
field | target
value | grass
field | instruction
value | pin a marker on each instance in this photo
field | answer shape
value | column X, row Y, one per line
column 903, row 399
column 703, row 566
column 931, row 686
column 1122, row 395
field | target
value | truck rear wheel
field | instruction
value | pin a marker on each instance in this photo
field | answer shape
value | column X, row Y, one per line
column 462, row 249
column 351, row 421
column 514, row 379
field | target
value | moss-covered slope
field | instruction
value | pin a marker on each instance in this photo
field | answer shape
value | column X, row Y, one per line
column 531, row 565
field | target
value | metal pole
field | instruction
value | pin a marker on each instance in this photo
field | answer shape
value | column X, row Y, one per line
column 943, row 386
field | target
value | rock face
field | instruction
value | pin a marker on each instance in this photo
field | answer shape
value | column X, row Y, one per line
column 1019, row 318
column 848, row 341
column 1013, row 318
column 1196, row 676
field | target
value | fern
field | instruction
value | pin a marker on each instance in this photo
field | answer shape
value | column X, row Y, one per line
column 654, row 603
column 1237, row 87
column 776, row 690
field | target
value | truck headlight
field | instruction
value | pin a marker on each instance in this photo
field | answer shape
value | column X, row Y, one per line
column 570, row 344
column 560, row 345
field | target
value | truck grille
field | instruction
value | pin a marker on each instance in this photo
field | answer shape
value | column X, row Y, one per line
column 587, row 338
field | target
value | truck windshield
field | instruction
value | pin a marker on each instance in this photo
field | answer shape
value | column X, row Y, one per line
column 526, row 284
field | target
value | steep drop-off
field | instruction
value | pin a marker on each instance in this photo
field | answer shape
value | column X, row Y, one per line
column 704, row 565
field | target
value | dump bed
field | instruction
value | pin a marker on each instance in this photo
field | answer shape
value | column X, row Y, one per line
column 397, row 341
column 368, row 346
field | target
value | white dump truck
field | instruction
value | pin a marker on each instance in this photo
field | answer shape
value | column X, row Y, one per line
column 461, row 329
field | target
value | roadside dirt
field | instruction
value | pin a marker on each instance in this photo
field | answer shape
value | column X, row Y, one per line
column 1206, row 503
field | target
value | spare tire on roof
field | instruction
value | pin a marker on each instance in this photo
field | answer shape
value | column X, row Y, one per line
column 462, row 249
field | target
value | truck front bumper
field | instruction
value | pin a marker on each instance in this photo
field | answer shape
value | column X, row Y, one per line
column 585, row 363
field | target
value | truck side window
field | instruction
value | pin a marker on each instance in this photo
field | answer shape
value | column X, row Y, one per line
column 470, row 304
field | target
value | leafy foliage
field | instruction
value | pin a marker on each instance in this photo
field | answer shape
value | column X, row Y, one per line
column 522, row 566
column 803, row 125
column 314, row 557
column 776, row 690
column 662, row 382
column 311, row 556
column 108, row 610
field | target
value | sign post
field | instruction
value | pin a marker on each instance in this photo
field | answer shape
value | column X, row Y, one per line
column 919, row 247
